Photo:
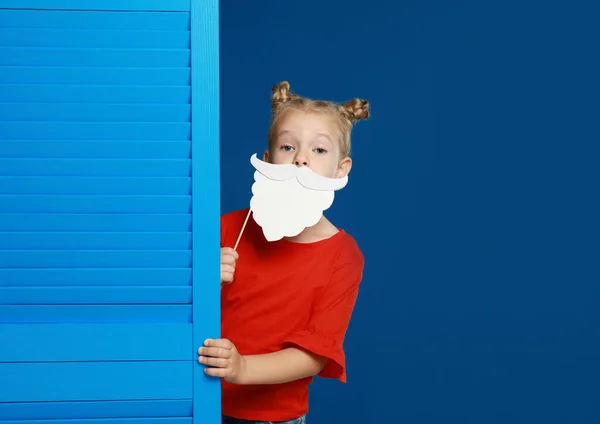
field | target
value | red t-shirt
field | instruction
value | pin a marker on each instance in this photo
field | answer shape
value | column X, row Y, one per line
column 286, row 294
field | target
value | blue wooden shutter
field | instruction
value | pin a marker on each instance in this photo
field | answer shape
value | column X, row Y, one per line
column 109, row 204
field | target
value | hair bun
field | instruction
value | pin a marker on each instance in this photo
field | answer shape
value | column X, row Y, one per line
column 355, row 110
column 281, row 94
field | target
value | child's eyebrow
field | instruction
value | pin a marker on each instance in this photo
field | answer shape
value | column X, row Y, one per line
column 327, row 136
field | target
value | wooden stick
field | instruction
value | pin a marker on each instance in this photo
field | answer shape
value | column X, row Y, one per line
column 242, row 231
column 240, row 236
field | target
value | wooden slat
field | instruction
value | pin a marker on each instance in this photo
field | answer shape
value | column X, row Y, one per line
column 165, row 420
column 69, row 295
column 104, row 409
column 94, row 38
column 92, row 20
column 54, row 314
column 85, row 381
column 94, row 240
column 95, row 259
column 94, row 222
column 70, row 342
column 93, row 112
column 94, row 204
column 96, row 167
column 100, row 5
column 95, row 130
column 46, row 56
column 94, row 76
column 41, row 277
column 95, row 149
column 96, row 185
column 93, row 93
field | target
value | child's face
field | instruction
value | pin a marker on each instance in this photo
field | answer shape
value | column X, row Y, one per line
column 309, row 139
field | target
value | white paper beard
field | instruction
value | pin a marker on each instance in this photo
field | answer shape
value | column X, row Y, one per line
column 287, row 199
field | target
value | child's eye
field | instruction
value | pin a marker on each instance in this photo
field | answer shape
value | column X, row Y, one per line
column 286, row 148
column 320, row 151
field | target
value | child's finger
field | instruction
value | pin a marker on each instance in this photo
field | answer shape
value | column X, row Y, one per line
column 216, row 372
column 227, row 268
column 215, row 352
column 230, row 251
column 228, row 259
column 224, row 343
column 213, row 362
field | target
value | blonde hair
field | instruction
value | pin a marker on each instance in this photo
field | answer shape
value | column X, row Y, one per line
column 345, row 115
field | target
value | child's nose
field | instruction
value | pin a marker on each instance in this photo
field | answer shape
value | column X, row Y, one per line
column 301, row 160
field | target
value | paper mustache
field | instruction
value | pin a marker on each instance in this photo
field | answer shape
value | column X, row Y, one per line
column 305, row 176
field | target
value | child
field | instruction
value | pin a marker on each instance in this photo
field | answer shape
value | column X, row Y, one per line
column 285, row 314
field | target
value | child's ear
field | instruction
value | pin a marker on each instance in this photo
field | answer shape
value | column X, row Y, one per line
column 266, row 156
column 344, row 167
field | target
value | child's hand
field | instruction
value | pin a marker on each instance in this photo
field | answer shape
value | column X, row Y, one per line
column 228, row 259
column 223, row 355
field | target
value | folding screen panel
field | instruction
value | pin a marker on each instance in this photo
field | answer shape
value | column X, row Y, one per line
column 109, row 204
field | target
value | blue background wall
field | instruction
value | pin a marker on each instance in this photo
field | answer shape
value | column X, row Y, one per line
column 473, row 196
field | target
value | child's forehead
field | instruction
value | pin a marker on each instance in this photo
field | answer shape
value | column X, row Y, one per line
column 300, row 121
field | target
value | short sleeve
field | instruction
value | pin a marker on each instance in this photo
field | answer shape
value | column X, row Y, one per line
column 331, row 315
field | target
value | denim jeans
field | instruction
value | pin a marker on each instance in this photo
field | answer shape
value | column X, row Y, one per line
column 230, row 420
